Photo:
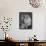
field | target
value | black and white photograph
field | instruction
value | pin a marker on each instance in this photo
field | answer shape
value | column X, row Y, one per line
column 25, row 20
